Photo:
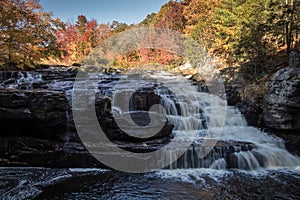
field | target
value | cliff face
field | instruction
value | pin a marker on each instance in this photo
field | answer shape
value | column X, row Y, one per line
column 282, row 110
column 282, row 104
column 273, row 102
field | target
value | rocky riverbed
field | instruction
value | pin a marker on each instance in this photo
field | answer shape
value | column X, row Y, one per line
column 38, row 128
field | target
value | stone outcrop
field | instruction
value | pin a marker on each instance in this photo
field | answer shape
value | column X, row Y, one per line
column 36, row 120
column 271, row 103
column 282, row 111
column 282, row 104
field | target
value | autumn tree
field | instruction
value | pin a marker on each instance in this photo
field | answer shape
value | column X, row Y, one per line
column 198, row 16
column 26, row 33
column 291, row 16
column 66, row 38
column 81, row 29
column 77, row 40
column 198, row 12
column 170, row 16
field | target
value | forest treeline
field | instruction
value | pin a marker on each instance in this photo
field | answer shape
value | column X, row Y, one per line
column 237, row 32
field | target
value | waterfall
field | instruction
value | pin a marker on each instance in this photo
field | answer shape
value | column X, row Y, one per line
column 246, row 147
column 196, row 115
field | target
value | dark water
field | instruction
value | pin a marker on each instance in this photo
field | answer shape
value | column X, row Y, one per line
column 39, row 183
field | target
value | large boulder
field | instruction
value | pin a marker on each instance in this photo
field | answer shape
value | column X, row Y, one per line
column 282, row 111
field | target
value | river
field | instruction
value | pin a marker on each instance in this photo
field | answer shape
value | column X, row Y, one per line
column 41, row 183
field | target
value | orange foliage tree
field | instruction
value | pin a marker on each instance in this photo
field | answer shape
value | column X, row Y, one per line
column 26, row 33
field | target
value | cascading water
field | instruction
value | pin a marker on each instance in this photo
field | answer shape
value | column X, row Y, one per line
column 20, row 80
column 68, row 132
column 192, row 112
column 245, row 147
column 259, row 149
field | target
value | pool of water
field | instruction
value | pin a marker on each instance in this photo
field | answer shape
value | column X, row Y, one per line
column 40, row 183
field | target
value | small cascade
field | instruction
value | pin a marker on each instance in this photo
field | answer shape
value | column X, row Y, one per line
column 219, row 164
column 20, row 80
column 69, row 120
column 68, row 132
column 222, row 156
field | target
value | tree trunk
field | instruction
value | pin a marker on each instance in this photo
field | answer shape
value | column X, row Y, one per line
column 289, row 25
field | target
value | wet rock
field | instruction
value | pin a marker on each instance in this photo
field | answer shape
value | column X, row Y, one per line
column 252, row 112
column 38, row 113
column 282, row 111
column 293, row 146
column 37, row 126
column 25, row 151
column 143, row 100
column 249, row 100
column 291, row 140
column 139, row 123
column 233, row 94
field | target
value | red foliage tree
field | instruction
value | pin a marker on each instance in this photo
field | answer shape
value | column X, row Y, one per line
column 78, row 40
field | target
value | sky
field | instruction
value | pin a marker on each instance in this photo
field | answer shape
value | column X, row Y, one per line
column 104, row 11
